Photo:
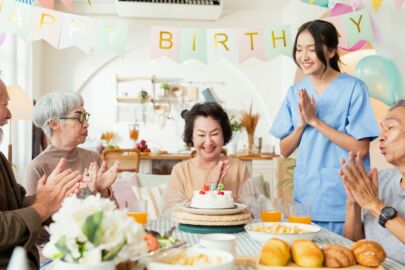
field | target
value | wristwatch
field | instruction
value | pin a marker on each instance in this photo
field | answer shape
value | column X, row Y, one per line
column 386, row 214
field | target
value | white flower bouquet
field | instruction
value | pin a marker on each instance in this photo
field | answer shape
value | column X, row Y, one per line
column 92, row 230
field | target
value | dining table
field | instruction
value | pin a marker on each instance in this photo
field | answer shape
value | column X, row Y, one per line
column 246, row 246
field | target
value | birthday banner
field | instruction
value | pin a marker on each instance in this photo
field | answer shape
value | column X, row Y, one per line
column 239, row 45
column 62, row 30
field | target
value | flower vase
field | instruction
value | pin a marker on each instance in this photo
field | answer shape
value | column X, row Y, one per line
column 232, row 147
column 61, row 265
column 251, row 144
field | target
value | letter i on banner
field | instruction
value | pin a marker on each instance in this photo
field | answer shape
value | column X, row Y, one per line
column 46, row 25
column 193, row 44
column 278, row 41
column 165, row 41
column 111, row 36
column 15, row 18
column 357, row 27
column 221, row 44
column 251, row 44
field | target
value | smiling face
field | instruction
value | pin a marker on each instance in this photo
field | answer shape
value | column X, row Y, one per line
column 392, row 137
column 306, row 56
column 208, row 138
column 70, row 131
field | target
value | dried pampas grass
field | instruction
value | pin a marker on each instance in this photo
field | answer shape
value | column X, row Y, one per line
column 249, row 120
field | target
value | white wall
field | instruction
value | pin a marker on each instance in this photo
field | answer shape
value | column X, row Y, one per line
column 263, row 83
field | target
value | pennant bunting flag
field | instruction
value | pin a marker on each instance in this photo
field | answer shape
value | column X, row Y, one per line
column 2, row 38
column 15, row 18
column 251, row 44
column 398, row 3
column 221, row 43
column 321, row 3
column 278, row 41
column 357, row 27
column 111, row 36
column 376, row 4
column 165, row 41
column 78, row 31
column 51, row 3
column 46, row 25
column 193, row 44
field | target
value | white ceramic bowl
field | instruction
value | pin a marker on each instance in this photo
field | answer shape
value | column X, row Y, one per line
column 227, row 260
column 310, row 231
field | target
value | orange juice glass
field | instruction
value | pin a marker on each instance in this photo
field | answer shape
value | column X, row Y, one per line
column 271, row 210
column 299, row 213
column 133, row 131
column 138, row 211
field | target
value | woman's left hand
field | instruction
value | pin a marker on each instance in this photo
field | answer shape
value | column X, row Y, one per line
column 308, row 107
column 98, row 179
column 362, row 186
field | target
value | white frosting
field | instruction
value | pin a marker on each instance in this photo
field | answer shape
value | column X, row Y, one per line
column 211, row 199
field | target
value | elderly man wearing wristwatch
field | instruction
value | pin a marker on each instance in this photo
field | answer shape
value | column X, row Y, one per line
column 376, row 200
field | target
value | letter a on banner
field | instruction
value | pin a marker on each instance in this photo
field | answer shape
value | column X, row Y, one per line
column 165, row 41
column 357, row 27
column 251, row 44
column 278, row 41
column 193, row 44
column 15, row 18
column 221, row 43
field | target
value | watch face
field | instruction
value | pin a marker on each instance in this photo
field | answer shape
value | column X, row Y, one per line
column 388, row 212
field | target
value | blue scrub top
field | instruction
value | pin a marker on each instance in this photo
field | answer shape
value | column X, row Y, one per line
column 345, row 106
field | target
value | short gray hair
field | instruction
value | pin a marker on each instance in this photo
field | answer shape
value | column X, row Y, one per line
column 398, row 103
column 54, row 106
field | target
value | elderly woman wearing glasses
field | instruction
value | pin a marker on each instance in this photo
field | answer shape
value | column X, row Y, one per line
column 62, row 117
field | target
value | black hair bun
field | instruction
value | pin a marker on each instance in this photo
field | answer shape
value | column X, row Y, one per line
column 184, row 113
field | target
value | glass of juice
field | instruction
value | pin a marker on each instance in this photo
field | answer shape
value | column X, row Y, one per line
column 271, row 209
column 138, row 211
column 299, row 213
column 133, row 132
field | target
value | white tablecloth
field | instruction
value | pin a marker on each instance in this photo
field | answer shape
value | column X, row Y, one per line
column 245, row 246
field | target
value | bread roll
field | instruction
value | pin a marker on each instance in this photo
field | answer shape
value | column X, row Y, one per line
column 275, row 252
column 306, row 253
column 338, row 256
column 368, row 253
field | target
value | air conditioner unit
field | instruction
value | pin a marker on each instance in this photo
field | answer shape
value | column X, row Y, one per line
column 170, row 9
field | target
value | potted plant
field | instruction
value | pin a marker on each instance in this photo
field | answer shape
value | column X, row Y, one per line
column 236, row 127
column 165, row 86
column 143, row 96
column 92, row 233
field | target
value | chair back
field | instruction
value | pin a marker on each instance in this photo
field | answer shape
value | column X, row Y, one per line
column 129, row 159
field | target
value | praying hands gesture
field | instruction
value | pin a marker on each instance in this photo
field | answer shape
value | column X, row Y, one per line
column 307, row 108
column 361, row 188
column 98, row 179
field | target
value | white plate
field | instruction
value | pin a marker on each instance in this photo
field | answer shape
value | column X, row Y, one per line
column 222, row 211
column 227, row 260
column 312, row 230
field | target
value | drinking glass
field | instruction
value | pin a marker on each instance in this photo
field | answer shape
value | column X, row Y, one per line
column 138, row 211
column 133, row 132
column 299, row 213
column 271, row 210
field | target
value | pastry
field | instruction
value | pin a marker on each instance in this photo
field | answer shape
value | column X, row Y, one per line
column 337, row 256
column 275, row 252
column 368, row 253
column 306, row 253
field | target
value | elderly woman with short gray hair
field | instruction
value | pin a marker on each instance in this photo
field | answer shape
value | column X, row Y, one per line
column 62, row 117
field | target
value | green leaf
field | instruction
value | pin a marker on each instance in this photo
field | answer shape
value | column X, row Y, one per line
column 92, row 227
column 62, row 247
column 111, row 254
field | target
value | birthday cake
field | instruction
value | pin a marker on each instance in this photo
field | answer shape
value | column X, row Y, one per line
column 212, row 197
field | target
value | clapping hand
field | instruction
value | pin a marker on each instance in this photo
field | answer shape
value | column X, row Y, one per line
column 361, row 187
column 98, row 179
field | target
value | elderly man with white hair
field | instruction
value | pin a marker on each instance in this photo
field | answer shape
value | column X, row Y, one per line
column 21, row 216
column 376, row 200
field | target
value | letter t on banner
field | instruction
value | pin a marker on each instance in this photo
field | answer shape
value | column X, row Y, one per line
column 251, row 44
column 165, row 41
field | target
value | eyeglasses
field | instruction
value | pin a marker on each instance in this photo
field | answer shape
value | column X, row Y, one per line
column 81, row 117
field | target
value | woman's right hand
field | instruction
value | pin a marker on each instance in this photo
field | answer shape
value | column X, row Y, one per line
column 302, row 123
column 218, row 173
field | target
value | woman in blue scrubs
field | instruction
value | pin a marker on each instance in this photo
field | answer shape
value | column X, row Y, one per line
column 324, row 116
